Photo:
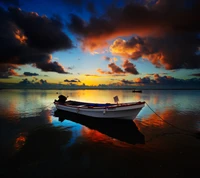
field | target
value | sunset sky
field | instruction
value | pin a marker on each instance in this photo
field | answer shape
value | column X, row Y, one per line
column 97, row 43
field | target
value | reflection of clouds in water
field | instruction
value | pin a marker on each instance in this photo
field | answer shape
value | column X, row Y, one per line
column 10, row 111
column 25, row 109
column 75, row 128
column 43, row 143
column 32, row 101
column 22, row 103
column 114, row 132
column 20, row 141
column 107, row 131
column 79, row 130
column 179, row 99
column 94, row 135
column 76, row 133
column 185, row 102
column 16, row 132
column 154, row 121
column 169, row 120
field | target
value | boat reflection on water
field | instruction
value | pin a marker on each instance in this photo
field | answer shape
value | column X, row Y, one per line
column 123, row 130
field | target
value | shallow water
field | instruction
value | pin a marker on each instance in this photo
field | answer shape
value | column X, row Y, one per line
column 162, row 141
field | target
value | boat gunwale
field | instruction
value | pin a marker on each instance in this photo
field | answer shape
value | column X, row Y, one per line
column 112, row 106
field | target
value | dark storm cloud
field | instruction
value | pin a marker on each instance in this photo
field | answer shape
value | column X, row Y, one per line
column 144, row 80
column 43, row 33
column 27, row 38
column 27, row 82
column 115, row 69
column 30, row 74
column 77, row 25
column 175, row 51
column 43, row 81
column 7, row 70
column 47, row 65
column 167, row 80
column 168, row 31
column 173, row 6
column 170, row 51
column 196, row 75
column 129, row 67
column 72, row 81
column 127, row 82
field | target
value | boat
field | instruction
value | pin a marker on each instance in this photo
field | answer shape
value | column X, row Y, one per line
column 100, row 110
column 137, row 91
column 129, row 131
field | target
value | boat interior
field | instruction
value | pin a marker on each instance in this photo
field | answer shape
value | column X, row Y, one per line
column 77, row 103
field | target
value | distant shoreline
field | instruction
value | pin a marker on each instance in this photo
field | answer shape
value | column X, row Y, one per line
column 99, row 89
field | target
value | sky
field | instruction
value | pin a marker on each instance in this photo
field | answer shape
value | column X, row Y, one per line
column 103, row 43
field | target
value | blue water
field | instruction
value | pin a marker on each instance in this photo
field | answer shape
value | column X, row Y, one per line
column 37, row 141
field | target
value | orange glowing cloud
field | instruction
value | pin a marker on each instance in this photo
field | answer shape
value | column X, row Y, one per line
column 12, row 72
column 114, row 69
column 93, row 135
column 129, row 67
column 158, row 59
column 7, row 70
column 95, row 43
column 137, row 47
column 137, row 80
column 145, row 80
column 21, row 37
column 166, row 39
column 20, row 141
column 120, row 47
column 92, row 44
column 132, row 19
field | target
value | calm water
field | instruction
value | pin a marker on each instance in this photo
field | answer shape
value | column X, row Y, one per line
column 38, row 141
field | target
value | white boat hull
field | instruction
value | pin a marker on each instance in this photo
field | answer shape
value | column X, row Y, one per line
column 124, row 111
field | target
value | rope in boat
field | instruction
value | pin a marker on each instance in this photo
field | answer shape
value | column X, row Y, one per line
column 181, row 129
